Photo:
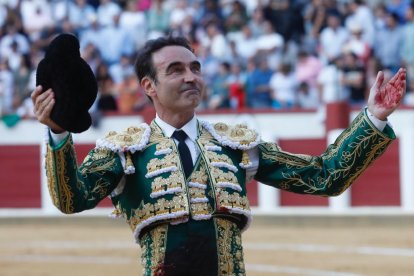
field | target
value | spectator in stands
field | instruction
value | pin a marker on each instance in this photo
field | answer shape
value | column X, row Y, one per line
column 219, row 95
column 134, row 21
column 36, row 17
column 13, row 39
column 6, row 88
column 114, row 42
column 332, row 38
column 237, row 86
column 3, row 14
column 158, row 19
column 307, row 68
column 399, row 8
column 258, row 88
column 216, row 41
column 91, row 35
column 246, row 44
column 315, row 20
column 106, row 100
column 283, row 85
column 91, row 55
column 237, row 17
column 363, row 17
column 380, row 15
column 179, row 13
column 329, row 84
column 106, row 12
column 353, row 78
column 387, row 47
column 356, row 44
column 211, row 13
column 130, row 97
column 270, row 44
column 21, row 78
column 285, row 19
column 121, row 69
column 256, row 22
column 81, row 14
column 307, row 97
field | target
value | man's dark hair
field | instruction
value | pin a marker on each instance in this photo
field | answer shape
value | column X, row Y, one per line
column 143, row 64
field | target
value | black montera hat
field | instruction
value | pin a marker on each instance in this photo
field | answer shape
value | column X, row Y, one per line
column 72, row 82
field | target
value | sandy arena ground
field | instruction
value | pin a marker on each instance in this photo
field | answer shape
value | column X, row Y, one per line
column 282, row 245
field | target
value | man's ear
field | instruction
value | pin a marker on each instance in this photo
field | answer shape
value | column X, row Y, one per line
column 149, row 87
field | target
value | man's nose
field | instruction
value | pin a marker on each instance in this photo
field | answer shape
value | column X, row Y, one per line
column 189, row 76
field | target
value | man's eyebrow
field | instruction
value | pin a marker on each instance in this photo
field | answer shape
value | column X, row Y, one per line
column 173, row 64
column 178, row 63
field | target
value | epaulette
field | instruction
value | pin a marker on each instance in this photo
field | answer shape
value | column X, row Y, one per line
column 234, row 136
column 129, row 141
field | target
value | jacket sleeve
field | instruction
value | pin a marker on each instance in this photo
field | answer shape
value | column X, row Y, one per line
column 74, row 189
column 331, row 173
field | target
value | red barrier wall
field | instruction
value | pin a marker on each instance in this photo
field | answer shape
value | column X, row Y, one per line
column 20, row 177
column 378, row 186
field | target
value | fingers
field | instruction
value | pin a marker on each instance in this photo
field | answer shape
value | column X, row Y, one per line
column 379, row 80
column 399, row 81
column 36, row 93
column 399, row 78
column 47, row 107
column 40, row 101
column 43, row 104
column 402, row 79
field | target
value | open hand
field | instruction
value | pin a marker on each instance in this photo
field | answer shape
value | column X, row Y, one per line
column 43, row 104
column 385, row 98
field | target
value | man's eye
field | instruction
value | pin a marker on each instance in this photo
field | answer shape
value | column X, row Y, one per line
column 176, row 69
column 196, row 69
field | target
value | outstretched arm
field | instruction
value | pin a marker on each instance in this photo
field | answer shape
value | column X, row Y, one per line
column 72, row 188
column 384, row 98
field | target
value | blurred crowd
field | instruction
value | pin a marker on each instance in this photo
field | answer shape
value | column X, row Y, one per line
column 275, row 54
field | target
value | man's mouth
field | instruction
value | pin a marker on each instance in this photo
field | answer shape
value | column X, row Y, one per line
column 191, row 90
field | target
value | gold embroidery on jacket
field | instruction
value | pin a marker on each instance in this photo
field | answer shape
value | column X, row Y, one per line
column 199, row 204
column 161, row 185
column 232, row 200
column 238, row 133
column 371, row 142
column 63, row 198
column 155, row 211
column 51, row 181
column 101, row 187
column 97, row 167
column 229, row 248
column 153, row 245
column 221, row 176
column 163, row 144
column 170, row 160
column 215, row 157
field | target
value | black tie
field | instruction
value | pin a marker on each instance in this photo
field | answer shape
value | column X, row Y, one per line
column 184, row 151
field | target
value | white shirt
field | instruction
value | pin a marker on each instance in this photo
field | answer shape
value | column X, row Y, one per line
column 189, row 128
column 284, row 87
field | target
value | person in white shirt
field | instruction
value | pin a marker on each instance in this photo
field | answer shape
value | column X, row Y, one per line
column 332, row 38
column 284, row 85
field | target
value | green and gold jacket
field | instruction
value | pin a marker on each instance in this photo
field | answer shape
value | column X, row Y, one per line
column 140, row 169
